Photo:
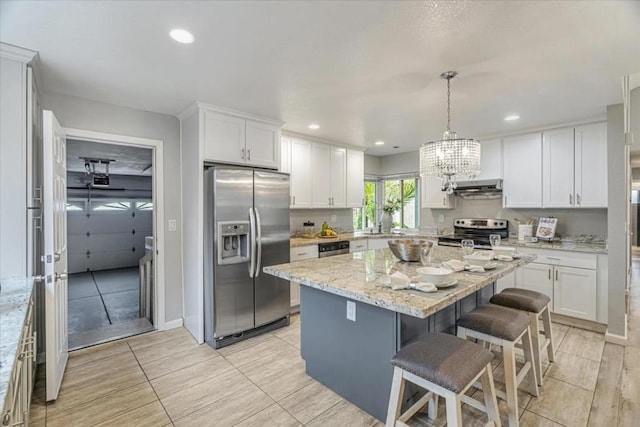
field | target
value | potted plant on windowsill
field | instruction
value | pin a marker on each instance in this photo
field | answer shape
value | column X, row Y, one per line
column 392, row 205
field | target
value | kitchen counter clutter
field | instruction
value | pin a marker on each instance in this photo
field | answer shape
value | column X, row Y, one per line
column 16, row 318
column 363, row 276
column 583, row 243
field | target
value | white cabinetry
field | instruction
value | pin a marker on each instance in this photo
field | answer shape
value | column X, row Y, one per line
column 322, row 175
column 490, row 159
column 301, row 183
column 380, row 243
column 358, row 245
column 234, row 139
column 355, row 178
column 522, row 160
column 575, row 167
column 432, row 195
column 329, row 170
column 298, row 254
column 570, row 279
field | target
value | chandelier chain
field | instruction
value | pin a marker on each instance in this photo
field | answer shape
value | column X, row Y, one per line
column 449, row 103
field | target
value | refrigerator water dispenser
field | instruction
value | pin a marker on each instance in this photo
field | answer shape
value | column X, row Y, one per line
column 233, row 242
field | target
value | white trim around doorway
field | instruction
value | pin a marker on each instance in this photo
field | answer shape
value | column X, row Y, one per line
column 158, row 210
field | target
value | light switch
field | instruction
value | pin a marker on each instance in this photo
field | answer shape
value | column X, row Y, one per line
column 351, row 310
column 440, row 218
column 172, row 225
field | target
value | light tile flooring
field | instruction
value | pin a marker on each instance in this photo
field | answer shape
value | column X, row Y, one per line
column 165, row 378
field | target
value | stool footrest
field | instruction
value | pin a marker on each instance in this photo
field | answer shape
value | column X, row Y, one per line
column 416, row 407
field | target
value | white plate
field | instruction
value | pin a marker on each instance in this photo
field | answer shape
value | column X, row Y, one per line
column 449, row 284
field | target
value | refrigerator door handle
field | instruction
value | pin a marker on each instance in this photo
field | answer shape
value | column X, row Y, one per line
column 252, row 226
column 256, row 272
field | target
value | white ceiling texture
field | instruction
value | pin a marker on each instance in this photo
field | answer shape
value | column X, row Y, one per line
column 364, row 71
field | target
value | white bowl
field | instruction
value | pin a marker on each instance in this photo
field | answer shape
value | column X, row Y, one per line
column 435, row 275
column 504, row 250
column 479, row 258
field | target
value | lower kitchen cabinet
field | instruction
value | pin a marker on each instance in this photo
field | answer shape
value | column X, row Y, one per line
column 574, row 292
column 378, row 243
column 300, row 253
column 358, row 245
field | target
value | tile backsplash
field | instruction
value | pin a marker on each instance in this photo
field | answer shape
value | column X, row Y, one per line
column 343, row 222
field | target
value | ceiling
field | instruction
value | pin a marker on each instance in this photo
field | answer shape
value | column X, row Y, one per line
column 364, row 71
column 128, row 160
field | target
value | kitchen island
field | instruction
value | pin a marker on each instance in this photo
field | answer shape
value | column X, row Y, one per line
column 352, row 322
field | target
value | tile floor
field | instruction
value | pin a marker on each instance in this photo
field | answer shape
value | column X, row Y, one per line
column 103, row 305
column 165, row 378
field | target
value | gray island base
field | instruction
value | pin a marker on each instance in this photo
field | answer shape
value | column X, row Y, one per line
column 352, row 357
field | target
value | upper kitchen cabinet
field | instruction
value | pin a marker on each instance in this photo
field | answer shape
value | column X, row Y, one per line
column 300, row 170
column 329, row 173
column 490, row 159
column 575, row 167
column 240, row 140
column 432, row 195
column 522, row 171
column 355, row 178
column 285, row 154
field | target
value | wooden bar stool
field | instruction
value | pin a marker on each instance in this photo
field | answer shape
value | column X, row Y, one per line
column 445, row 366
column 504, row 327
column 536, row 305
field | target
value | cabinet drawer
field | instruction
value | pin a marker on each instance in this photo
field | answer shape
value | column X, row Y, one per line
column 358, row 245
column 303, row 252
column 563, row 258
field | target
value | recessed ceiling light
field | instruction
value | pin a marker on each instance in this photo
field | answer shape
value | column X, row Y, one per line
column 511, row 117
column 182, row 36
column 379, row 142
column 314, row 126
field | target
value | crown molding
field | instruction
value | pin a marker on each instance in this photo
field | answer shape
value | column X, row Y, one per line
column 198, row 105
column 17, row 53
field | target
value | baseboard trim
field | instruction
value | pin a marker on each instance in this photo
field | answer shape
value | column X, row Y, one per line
column 616, row 339
column 589, row 325
column 171, row 325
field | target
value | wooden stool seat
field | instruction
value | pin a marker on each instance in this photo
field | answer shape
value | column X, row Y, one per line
column 536, row 304
column 504, row 327
column 445, row 366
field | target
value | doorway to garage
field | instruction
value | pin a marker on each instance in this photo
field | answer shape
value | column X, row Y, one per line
column 110, row 206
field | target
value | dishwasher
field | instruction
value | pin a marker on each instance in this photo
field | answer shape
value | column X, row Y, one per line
column 333, row 248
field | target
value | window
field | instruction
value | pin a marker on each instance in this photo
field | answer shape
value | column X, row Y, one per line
column 403, row 191
column 75, row 206
column 110, row 206
column 144, row 206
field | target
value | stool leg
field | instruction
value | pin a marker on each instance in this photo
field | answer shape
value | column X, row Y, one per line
column 535, row 340
column 395, row 398
column 529, row 356
column 454, row 411
column 433, row 407
column 546, row 320
column 509, row 362
column 489, row 393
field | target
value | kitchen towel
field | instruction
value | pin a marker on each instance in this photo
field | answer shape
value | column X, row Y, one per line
column 454, row 264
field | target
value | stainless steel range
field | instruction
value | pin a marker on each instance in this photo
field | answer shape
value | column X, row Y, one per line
column 477, row 229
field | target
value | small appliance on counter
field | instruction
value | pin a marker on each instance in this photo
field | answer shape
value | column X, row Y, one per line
column 477, row 229
column 308, row 230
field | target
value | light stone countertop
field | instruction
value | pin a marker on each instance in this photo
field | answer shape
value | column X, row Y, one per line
column 598, row 247
column 361, row 276
column 14, row 300
column 300, row 241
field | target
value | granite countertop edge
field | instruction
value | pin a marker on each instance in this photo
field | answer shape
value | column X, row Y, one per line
column 15, row 293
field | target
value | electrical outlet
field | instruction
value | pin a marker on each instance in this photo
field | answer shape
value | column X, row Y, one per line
column 351, row 310
column 172, row 225
column 440, row 218
column 334, row 218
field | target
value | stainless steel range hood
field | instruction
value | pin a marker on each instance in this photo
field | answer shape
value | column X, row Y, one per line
column 480, row 189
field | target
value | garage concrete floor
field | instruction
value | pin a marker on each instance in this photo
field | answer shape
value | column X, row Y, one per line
column 104, row 304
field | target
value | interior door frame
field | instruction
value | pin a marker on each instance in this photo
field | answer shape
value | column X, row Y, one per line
column 156, row 145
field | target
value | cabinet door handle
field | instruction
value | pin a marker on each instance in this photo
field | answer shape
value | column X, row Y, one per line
column 363, row 201
column 578, row 199
column 549, row 271
column 302, row 253
column 556, row 275
column 249, row 154
column 294, row 200
column 443, row 201
column 554, row 258
column 505, row 200
column 570, row 199
column 242, row 155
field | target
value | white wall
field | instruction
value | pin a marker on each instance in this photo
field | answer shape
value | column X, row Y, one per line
column 372, row 165
column 96, row 116
column 400, row 163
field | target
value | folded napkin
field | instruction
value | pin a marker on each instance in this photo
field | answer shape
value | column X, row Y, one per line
column 474, row 268
column 425, row 287
column 454, row 264
column 504, row 258
column 399, row 281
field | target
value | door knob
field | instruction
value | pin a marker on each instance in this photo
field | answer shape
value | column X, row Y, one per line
column 61, row 276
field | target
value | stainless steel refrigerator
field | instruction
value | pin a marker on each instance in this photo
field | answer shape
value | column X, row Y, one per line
column 247, row 228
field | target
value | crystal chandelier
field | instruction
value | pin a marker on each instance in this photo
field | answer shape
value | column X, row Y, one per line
column 451, row 156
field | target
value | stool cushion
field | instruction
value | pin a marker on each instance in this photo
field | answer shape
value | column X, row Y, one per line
column 497, row 321
column 521, row 299
column 443, row 359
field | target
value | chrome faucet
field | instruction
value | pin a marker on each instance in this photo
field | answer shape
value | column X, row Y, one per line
column 380, row 227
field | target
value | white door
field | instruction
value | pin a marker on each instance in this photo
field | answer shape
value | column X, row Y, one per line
column 54, row 190
column 224, row 138
column 321, row 175
column 300, row 173
column 557, row 169
column 338, row 177
column 522, row 171
column 591, row 166
column 355, row 179
column 432, row 195
column 262, row 144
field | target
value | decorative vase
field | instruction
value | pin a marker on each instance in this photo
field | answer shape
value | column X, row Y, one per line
column 386, row 222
